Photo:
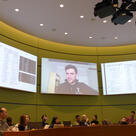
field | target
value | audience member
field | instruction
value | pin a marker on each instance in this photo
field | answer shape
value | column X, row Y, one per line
column 123, row 121
column 94, row 120
column 77, row 122
column 3, row 125
column 84, row 121
column 10, row 123
column 55, row 120
column 131, row 118
column 44, row 119
column 23, row 123
column 27, row 118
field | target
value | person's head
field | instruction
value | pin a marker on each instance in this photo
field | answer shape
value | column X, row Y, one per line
column 123, row 119
column 55, row 120
column 9, row 121
column 132, row 113
column 27, row 118
column 44, row 117
column 23, row 121
column 94, row 117
column 84, row 117
column 71, row 73
column 3, row 113
column 77, row 118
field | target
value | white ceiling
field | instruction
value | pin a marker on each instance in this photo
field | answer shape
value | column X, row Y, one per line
column 58, row 20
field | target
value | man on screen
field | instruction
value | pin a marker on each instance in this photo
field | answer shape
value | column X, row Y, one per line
column 72, row 85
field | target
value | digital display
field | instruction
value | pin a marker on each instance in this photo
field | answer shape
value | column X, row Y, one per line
column 119, row 77
column 18, row 69
column 68, row 77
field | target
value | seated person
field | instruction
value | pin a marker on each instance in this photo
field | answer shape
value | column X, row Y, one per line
column 23, row 123
column 123, row 121
column 72, row 85
column 84, row 121
column 3, row 125
column 10, row 123
column 44, row 119
column 77, row 122
column 55, row 120
column 131, row 118
column 94, row 121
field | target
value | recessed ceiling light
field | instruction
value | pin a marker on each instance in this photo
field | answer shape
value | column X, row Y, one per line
column 61, row 5
column 81, row 16
column 90, row 37
column 115, row 37
column 66, row 33
column 129, row 21
column 104, row 21
column 41, row 24
column 17, row 10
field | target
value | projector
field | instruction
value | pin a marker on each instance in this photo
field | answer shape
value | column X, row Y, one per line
column 104, row 9
column 121, row 13
column 121, row 17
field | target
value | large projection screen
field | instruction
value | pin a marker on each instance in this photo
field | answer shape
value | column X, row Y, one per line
column 18, row 69
column 119, row 77
column 80, row 78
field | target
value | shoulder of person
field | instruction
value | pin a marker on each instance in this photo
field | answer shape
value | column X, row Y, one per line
column 16, row 125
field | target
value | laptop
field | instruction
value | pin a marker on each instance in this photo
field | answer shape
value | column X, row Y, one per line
column 67, row 123
column 35, row 125
column 46, row 126
column 58, row 126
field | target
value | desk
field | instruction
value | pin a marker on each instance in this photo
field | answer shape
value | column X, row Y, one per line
column 80, row 131
column 21, row 133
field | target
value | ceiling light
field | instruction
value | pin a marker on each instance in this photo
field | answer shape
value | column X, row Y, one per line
column 81, row 16
column 129, row 21
column 61, row 5
column 17, row 10
column 104, row 21
column 65, row 33
column 41, row 24
column 90, row 37
column 115, row 37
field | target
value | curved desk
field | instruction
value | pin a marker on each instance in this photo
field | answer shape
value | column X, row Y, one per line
column 80, row 131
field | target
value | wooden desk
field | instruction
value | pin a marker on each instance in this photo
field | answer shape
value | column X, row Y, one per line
column 21, row 133
column 80, row 131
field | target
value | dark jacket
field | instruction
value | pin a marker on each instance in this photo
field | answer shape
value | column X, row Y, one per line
column 77, row 88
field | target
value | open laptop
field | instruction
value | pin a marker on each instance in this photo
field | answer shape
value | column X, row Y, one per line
column 35, row 125
column 67, row 123
column 46, row 126
column 58, row 126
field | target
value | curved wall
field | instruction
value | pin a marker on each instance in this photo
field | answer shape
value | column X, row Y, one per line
column 66, row 107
